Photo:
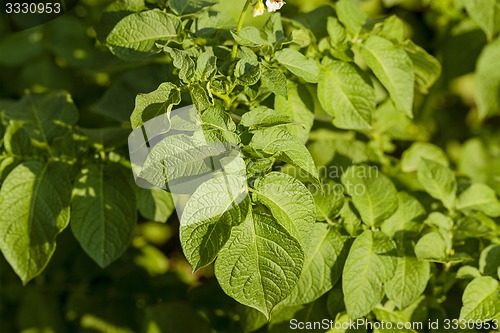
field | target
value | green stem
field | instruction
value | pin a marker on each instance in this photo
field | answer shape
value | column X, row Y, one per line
column 238, row 28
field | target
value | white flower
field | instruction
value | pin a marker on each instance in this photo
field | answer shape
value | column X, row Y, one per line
column 259, row 9
column 274, row 5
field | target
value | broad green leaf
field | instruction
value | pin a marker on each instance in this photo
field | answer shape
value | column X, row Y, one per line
column 250, row 36
column 486, row 13
column 155, row 103
column 285, row 147
column 155, row 204
column 274, row 29
column 480, row 197
column 409, row 280
column 407, row 221
column 260, row 263
column 103, row 214
column 183, row 62
column 468, row 272
column 181, row 163
column 290, row 202
column 393, row 28
column 336, row 31
column 34, row 209
column 299, row 106
column 370, row 264
column 433, row 247
column 329, row 203
column 350, row 15
column 135, row 35
column 305, row 68
column 350, row 219
column 481, row 299
column 372, row 193
column 324, row 260
column 411, row 157
column 206, row 66
column 427, row 68
column 183, row 7
column 394, row 69
column 16, row 140
column 346, row 93
column 247, row 72
column 200, row 97
column 438, row 181
column 487, row 81
column 45, row 117
column 215, row 207
column 489, row 261
column 262, row 117
column 274, row 80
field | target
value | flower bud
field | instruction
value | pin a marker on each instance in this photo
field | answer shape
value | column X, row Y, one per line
column 259, row 9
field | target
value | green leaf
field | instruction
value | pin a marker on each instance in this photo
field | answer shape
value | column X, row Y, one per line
column 260, row 264
column 262, row 117
column 285, row 147
column 486, row 13
column 206, row 66
column 468, row 272
column 45, row 117
column 481, row 299
column 215, row 207
column 330, row 203
column 394, row 69
column 290, row 202
column 155, row 204
column 487, row 81
column 299, row 106
column 409, row 280
column 199, row 96
column 372, row 193
column 370, row 264
column 346, row 93
column 427, row 68
column 34, row 209
column 489, row 261
column 480, row 197
column 155, row 103
column 247, row 72
column 336, row 31
column 183, row 7
column 438, row 181
column 135, row 36
column 298, row 64
column 183, row 62
column 274, row 80
column 103, row 212
column 324, row 260
column 250, row 36
column 350, row 15
column 17, row 141
column 407, row 221
column 411, row 157
column 433, row 247
column 274, row 29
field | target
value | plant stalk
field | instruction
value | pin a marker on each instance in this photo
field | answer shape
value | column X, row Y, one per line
column 243, row 14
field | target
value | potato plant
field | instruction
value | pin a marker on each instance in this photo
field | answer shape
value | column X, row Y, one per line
column 367, row 134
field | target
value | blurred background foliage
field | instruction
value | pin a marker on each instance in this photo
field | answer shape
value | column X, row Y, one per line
column 151, row 287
